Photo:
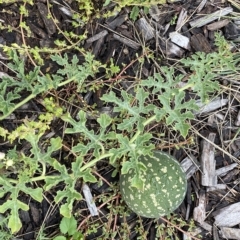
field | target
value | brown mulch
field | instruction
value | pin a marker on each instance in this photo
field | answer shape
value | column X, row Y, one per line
column 120, row 39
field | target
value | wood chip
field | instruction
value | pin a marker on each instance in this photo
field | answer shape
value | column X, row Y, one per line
column 237, row 122
column 211, row 106
column 98, row 46
column 190, row 165
column 35, row 212
column 206, row 226
column 127, row 41
column 97, row 36
column 155, row 12
column 3, row 56
column 89, row 200
column 38, row 31
column 217, row 25
column 228, row 216
column 117, row 21
column 180, row 40
column 232, row 31
column 215, row 233
column 173, row 1
column 66, row 11
column 181, row 19
column 200, row 44
column 230, row 233
column 199, row 212
column 224, row 170
column 49, row 23
column 208, row 162
column 167, row 26
column 172, row 50
column 144, row 29
column 188, row 210
column 210, row 17
column 216, row 187
column 201, row 5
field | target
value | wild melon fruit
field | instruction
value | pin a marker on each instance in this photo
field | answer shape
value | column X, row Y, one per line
column 165, row 186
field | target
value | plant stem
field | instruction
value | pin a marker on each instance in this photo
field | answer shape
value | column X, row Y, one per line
column 107, row 155
column 67, row 81
column 149, row 120
column 34, row 179
column 185, row 87
column 39, row 178
column 31, row 96
column 93, row 162
column 43, row 167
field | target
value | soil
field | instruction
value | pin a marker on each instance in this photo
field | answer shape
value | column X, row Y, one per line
column 119, row 39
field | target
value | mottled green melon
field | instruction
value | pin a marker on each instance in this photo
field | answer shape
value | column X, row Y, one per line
column 165, row 186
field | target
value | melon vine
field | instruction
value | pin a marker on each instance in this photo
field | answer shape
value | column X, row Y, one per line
column 128, row 145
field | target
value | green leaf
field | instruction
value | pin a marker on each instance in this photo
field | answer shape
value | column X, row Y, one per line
column 106, row 3
column 80, row 126
column 104, row 120
column 78, row 236
column 3, row 132
column 166, row 82
column 205, row 86
column 88, row 176
column 13, row 204
column 91, row 140
column 177, row 111
column 61, row 61
column 131, row 152
column 9, row 205
column 122, row 105
column 32, row 83
column 68, row 225
column 132, row 108
column 77, row 165
column 66, row 210
column 60, row 238
column 78, row 173
column 41, row 156
column 144, row 145
column 126, row 167
column 73, row 69
column 51, row 182
column 137, row 182
column 134, row 13
column 54, row 180
column 14, row 222
column 206, row 67
column 70, row 195
column 183, row 128
column 125, row 148
column 34, row 193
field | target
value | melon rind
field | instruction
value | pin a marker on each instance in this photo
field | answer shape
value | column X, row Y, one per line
column 165, row 186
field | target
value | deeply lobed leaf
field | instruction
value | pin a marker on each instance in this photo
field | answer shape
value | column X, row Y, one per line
column 13, row 203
